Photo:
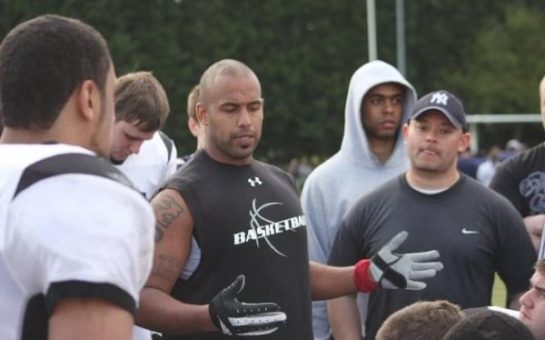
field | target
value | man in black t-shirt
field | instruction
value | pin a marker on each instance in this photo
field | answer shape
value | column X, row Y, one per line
column 477, row 232
column 521, row 179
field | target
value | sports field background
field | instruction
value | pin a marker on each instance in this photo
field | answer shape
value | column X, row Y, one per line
column 498, row 293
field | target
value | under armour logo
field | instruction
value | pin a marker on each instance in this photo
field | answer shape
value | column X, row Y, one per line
column 439, row 98
column 255, row 181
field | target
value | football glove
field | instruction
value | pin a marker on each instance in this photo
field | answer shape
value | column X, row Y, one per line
column 233, row 317
column 392, row 270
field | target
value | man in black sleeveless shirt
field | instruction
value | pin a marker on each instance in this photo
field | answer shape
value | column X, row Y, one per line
column 226, row 217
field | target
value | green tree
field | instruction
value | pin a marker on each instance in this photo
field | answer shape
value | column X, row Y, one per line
column 438, row 33
column 504, row 65
column 306, row 51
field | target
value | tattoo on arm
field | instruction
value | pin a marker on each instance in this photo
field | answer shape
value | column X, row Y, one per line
column 166, row 211
column 165, row 268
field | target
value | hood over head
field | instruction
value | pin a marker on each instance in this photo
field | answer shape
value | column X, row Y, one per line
column 354, row 143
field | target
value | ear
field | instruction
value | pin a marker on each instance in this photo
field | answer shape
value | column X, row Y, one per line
column 89, row 100
column 405, row 131
column 193, row 126
column 463, row 144
column 202, row 114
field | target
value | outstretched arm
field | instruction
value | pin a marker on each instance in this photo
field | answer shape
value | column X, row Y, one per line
column 387, row 269
column 327, row 282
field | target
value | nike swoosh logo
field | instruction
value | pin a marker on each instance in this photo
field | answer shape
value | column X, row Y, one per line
column 467, row 231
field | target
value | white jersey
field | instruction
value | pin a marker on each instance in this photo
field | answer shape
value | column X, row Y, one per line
column 69, row 228
column 153, row 164
column 510, row 312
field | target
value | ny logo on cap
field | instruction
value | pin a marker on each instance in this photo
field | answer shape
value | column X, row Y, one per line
column 439, row 98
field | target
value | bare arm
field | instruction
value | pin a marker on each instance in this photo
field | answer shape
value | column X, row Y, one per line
column 386, row 269
column 158, row 310
column 534, row 226
column 328, row 282
column 344, row 318
column 87, row 319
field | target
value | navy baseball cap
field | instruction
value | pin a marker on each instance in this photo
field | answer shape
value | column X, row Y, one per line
column 445, row 102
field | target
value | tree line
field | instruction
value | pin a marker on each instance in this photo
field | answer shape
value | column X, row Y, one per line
column 491, row 53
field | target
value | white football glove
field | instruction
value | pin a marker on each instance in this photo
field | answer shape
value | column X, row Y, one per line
column 393, row 270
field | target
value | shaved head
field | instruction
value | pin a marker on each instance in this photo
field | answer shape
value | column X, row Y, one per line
column 223, row 68
column 230, row 111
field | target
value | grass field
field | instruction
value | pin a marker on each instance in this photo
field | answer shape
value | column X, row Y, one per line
column 498, row 293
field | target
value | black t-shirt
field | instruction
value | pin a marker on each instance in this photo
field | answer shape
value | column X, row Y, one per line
column 476, row 231
column 521, row 179
column 247, row 220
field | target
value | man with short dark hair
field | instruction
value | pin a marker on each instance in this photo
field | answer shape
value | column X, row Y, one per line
column 75, row 238
column 477, row 231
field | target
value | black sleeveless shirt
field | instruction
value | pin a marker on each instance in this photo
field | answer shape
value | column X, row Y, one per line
column 247, row 220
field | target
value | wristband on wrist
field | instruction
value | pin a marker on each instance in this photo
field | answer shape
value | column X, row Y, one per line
column 362, row 277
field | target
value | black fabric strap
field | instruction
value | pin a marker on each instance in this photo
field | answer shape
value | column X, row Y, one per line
column 389, row 274
column 35, row 319
column 39, row 308
column 88, row 290
column 75, row 163
column 169, row 144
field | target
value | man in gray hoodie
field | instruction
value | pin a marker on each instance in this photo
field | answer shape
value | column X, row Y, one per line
column 378, row 102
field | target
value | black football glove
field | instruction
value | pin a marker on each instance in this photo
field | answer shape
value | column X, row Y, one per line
column 233, row 317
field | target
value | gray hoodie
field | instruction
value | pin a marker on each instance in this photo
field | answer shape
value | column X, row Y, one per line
column 353, row 171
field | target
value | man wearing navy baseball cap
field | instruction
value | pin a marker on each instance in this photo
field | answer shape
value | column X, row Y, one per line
column 476, row 231
column 444, row 102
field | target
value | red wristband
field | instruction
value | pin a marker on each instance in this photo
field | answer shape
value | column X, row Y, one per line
column 362, row 278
